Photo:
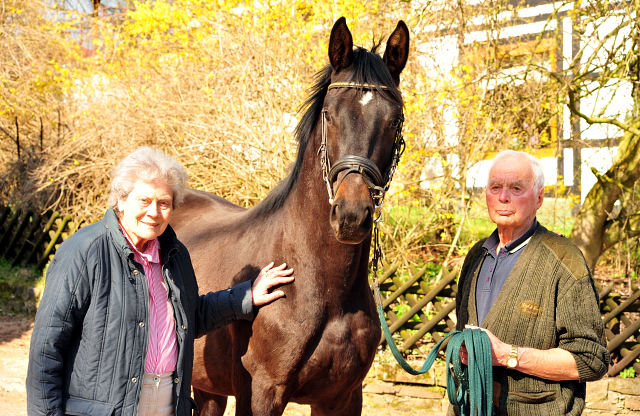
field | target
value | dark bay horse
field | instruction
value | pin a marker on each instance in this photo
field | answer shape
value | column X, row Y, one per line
column 316, row 345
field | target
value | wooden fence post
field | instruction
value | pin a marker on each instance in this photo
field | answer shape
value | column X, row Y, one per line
column 45, row 258
column 7, row 232
column 17, row 235
column 25, row 244
column 34, row 252
column 3, row 217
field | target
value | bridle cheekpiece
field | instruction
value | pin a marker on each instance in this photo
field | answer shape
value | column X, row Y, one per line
column 377, row 182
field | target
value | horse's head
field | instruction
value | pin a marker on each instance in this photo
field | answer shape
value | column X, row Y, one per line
column 361, row 128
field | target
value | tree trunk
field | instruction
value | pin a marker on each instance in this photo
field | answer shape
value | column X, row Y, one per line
column 595, row 230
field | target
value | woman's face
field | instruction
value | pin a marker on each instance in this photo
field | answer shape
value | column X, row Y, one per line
column 146, row 211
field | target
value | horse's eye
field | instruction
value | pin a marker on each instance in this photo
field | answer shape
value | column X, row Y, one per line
column 396, row 122
column 327, row 117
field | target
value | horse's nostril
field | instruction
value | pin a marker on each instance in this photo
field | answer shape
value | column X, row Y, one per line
column 334, row 217
column 368, row 219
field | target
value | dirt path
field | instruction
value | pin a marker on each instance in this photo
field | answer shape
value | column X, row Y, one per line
column 15, row 334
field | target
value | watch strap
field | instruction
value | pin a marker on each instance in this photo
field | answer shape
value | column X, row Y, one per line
column 512, row 361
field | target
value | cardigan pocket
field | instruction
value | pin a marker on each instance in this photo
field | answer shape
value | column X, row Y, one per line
column 527, row 390
column 532, row 398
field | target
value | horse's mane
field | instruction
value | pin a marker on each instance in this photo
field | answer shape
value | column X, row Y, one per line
column 367, row 68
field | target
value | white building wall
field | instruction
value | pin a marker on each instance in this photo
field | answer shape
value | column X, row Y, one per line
column 438, row 58
column 612, row 101
column 601, row 159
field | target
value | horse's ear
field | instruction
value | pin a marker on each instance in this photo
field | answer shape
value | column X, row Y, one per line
column 340, row 46
column 397, row 51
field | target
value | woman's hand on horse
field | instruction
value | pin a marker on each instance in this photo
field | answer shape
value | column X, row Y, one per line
column 270, row 276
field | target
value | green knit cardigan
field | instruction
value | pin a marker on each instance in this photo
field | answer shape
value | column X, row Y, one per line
column 549, row 300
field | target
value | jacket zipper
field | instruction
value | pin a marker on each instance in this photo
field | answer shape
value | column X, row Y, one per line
column 145, row 341
column 169, row 294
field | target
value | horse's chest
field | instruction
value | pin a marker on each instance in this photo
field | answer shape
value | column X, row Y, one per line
column 347, row 344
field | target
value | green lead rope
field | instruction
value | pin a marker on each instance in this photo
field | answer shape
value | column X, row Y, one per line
column 475, row 390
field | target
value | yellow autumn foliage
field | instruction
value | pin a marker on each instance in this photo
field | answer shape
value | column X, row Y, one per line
column 218, row 84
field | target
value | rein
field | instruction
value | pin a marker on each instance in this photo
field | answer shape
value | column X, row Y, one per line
column 474, row 392
column 475, row 380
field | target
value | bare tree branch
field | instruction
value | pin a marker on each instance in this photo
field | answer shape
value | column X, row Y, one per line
column 621, row 228
column 597, row 120
column 8, row 135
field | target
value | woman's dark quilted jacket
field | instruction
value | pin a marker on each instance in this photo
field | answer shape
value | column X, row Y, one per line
column 89, row 341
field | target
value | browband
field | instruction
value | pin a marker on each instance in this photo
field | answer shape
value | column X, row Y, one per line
column 355, row 85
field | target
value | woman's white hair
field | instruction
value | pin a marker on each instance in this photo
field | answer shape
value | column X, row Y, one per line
column 538, row 174
column 148, row 164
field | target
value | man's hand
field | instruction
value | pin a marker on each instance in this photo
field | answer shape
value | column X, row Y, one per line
column 499, row 350
column 554, row 364
column 270, row 276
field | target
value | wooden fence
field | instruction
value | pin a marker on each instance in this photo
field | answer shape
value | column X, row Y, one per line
column 432, row 311
column 30, row 239
column 431, row 304
column 622, row 323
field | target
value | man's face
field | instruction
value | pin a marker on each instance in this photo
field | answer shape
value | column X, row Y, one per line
column 512, row 200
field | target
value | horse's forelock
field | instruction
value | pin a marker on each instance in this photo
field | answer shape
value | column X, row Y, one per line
column 369, row 68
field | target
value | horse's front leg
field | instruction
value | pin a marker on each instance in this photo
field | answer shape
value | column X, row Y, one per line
column 351, row 405
column 209, row 404
column 262, row 398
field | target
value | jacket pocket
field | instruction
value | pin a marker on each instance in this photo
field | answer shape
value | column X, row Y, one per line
column 532, row 398
column 83, row 407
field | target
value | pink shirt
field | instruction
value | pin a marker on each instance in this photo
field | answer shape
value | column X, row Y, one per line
column 162, row 350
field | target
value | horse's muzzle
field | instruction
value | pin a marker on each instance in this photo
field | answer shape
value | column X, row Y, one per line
column 352, row 210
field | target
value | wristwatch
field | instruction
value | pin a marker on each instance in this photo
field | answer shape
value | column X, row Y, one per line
column 512, row 361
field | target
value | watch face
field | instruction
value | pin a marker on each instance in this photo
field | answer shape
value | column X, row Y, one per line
column 512, row 362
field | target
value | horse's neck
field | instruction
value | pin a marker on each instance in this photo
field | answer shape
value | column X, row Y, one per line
column 308, row 200
column 308, row 207
column 309, row 197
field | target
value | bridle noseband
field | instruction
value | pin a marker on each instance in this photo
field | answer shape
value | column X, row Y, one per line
column 377, row 182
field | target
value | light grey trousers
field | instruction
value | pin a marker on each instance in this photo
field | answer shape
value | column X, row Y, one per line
column 156, row 398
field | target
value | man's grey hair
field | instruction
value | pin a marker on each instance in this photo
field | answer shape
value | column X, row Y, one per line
column 538, row 174
column 147, row 164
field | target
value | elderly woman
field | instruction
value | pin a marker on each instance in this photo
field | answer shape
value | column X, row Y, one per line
column 115, row 328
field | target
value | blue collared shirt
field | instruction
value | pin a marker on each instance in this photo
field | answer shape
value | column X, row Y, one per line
column 496, row 268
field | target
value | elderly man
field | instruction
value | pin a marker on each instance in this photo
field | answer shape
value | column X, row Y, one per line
column 532, row 292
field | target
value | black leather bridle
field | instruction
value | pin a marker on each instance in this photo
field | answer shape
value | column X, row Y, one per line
column 377, row 182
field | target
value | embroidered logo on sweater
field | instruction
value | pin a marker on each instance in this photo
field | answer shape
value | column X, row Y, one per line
column 530, row 309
